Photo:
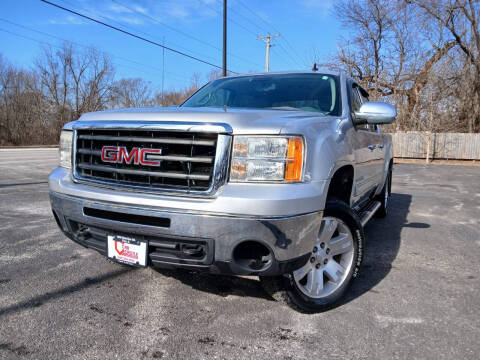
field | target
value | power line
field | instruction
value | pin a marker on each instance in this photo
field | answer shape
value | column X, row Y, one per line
column 96, row 14
column 246, row 18
column 167, row 26
column 134, row 35
column 181, row 32
column 274, row 28
column 256, row 34
column 59, row 48
column 84, row 46
column 232, row 20
column 290, row 58
column 265, row 30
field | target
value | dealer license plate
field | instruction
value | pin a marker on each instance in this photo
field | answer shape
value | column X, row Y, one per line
column 127, row 250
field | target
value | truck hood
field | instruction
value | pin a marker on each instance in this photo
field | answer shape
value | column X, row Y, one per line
column 241, row 121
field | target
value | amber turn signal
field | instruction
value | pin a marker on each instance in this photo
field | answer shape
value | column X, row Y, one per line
column 294, row 165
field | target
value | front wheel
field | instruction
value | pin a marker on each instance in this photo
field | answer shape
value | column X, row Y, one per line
column 334, row 262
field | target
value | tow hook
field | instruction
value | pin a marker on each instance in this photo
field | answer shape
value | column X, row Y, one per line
column 192, row 250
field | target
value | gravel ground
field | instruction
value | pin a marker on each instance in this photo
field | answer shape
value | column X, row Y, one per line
column 418, row 295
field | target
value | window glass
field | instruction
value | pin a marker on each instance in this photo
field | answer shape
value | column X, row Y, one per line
column 356, row 103
column 363, row 95
column 307, row 92
column 356, row 99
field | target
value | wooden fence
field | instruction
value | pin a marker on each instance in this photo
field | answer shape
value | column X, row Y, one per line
column 424, row 145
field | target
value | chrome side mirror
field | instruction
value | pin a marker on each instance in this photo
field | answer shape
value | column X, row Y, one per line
column 375, row 112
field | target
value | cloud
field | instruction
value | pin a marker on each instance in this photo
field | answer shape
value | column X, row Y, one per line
column 186, row 11
column 125, row 14
column 140, row 9
column 132, row 13
column 127, row 9
column 119, row 9
column 67, row 20
column 323, row 6
column 132, row 20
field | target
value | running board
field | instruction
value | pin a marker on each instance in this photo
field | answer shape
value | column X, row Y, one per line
column 367, row 214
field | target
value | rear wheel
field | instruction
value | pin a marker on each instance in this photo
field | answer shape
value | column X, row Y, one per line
column 334, row 262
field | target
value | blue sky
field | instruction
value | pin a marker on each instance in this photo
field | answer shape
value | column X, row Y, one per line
column 191, row 26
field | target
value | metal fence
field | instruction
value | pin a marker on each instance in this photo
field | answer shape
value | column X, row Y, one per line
column 421, row 145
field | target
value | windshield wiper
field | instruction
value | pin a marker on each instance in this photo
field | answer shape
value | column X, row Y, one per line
column 283, row 108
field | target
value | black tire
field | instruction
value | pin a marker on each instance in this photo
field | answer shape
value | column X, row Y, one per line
column 384, row 196
column 284, row 288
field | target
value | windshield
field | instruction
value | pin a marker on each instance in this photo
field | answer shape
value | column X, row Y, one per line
column 307, row 92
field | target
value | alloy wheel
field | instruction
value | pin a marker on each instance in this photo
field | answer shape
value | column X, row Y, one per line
column 330, row 261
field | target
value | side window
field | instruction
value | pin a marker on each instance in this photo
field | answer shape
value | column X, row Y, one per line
column 364, row 96
column 356, row 103
column 356, row 100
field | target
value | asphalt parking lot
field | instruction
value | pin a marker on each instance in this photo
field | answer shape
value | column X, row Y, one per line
column 418, row 295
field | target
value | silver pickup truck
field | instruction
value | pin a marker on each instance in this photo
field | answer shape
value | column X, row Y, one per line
column 272, row 175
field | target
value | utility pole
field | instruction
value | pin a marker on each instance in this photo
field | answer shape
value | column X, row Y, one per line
column 267, row 39
column 224, row 65
column 163, row 71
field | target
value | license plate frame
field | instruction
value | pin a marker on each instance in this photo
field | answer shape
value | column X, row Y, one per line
column 128, row 250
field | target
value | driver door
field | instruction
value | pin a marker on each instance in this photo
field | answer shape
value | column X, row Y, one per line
column 364, row 149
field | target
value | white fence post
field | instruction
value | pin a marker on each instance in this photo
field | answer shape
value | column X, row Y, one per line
column 427, row 134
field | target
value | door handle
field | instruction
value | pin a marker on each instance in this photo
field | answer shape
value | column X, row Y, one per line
column 381, row 146
column 372, row 146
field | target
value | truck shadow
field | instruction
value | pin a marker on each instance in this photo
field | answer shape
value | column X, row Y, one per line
column 221, row 285
column 383, row 240
column 382, row 244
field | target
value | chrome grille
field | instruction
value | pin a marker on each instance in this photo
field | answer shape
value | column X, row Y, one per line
column 187, row 159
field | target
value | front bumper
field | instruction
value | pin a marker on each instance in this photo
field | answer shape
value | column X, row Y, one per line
column 236, row 199
column 290, row 239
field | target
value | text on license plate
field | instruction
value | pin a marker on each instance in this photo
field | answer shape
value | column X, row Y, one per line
column 127, row 250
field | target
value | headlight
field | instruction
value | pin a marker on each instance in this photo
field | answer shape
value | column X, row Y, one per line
column 66, row 149
column 267, row 159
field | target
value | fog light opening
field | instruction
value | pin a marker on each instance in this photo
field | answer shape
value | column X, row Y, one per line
column 252, row 255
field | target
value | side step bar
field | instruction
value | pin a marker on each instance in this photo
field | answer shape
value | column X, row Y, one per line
column 367, row 214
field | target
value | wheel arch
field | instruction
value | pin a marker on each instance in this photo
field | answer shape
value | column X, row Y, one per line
column 341, row 184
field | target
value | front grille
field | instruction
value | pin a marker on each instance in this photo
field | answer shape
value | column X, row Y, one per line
column 186, row 159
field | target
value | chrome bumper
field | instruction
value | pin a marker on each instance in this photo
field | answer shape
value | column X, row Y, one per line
column 289, row 238
column 236, row 199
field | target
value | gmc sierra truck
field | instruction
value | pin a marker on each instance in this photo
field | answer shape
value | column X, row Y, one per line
column 271, row 174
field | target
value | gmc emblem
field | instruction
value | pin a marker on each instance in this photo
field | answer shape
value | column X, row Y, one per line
column 137, row 156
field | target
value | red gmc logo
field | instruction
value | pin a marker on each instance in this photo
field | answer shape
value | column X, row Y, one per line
column 137, row 156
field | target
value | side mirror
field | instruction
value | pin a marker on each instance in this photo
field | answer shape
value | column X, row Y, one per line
column 375, row 112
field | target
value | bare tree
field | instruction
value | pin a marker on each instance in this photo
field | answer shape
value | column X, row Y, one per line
column 21, row 107
column 131, row 93
column 459, row 21
column 397, row 47
column 74, row 81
